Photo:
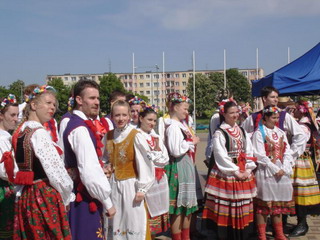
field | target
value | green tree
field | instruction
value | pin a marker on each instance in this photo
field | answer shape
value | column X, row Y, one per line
column 238, row 85
column 16, row 88
column 108, row 84
column 3, row 92
column 63, row 94
column 205, row 94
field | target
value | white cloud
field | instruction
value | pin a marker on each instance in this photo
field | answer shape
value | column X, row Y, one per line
column 192, row 14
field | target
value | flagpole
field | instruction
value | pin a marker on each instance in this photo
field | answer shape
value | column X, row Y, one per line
column 133, row 71
column 163, row 83
column 194, row 89
column 257, row 62
column 224, row 70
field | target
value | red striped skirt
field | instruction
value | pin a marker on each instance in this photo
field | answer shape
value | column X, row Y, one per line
column 225, row 186
column 40, row 214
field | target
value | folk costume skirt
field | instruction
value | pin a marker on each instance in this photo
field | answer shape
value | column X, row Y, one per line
column 229, row 205
column 40, row 214
column 306, row 187
column 182, row 187
column 7, row 198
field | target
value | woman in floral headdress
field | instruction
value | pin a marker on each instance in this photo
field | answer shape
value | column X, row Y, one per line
column 231, row 186
column 305, row 184
column 180, row 170
column 273, row 176
column 136, row 106
column 45, row 186
column 8, row 120
column 151, row 148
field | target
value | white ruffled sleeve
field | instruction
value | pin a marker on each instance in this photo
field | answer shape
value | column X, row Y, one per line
column 177, row 146
column 262, row 158
column 52, row 164
column 287, row 158
column 5, row 146
column 91, row 172
column 299, row 141
column 146, row 172
column 222, row 160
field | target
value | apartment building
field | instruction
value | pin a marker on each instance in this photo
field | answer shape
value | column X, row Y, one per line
column 155, row 85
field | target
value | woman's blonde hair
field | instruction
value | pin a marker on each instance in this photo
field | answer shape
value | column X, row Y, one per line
column 120, row 103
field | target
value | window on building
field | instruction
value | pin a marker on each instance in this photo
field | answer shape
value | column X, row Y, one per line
column 148, row 84
column 141, row 92
column 168, row 75
column 177, row 83
column 184, row 83
column 126, row 84
column 177, row 75
column 66, row 78
column 148, row 92
column 190, row 74
column 184, row 91
column 141, row 76
column 125, row 76
column 135, row 85
column 184, row 75
column 73, row 79
column 156, row 84
column 156, row 92
column 156, row 76
column 244, row 73
column 141, row 84
column 148, row 76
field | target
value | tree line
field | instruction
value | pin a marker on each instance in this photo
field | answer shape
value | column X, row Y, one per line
column 208, row 91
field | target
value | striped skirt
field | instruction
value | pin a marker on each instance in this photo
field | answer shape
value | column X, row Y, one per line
column 305, row 187
column 229, row 204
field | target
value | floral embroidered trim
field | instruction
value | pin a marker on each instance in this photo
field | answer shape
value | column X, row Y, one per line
column 10, row 99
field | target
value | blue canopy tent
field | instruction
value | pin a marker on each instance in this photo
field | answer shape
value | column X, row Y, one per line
column 300, row 77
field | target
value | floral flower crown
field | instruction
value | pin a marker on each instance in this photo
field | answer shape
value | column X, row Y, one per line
column 223, row 102
column 271, row 110
column 305, row 106
column 136, row 101
column 177, row 98
column 70, row 103
column 39, row 90
column 10, row 99
column 150, row 107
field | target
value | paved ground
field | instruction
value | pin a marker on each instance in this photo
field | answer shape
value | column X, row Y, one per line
column 313, row 222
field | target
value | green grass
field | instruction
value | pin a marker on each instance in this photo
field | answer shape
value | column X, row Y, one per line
column 203, row 121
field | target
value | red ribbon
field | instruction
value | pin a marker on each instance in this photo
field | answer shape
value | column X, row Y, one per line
column 242, row 160
column 8, row 162
column 94, row 130
column 51, row 127
column 159, row 172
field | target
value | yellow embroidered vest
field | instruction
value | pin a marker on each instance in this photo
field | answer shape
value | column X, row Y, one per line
column 121, row 155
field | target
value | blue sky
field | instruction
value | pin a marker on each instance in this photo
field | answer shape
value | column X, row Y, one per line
column 83, row 36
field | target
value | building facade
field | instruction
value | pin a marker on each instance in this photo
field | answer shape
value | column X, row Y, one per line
column 155, row 85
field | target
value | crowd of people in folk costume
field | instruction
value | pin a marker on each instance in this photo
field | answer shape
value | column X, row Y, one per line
column 113, row 177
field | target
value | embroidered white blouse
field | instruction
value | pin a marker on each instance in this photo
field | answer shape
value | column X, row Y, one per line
column 222, row 159
column 177, row 145
column 50, row 160
column 291, row 127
